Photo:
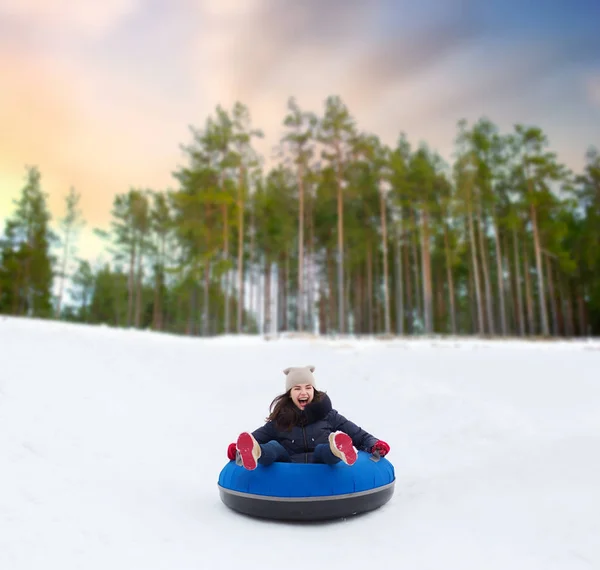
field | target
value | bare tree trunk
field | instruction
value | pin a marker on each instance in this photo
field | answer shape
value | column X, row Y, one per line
column 358, row 303
column 472, row 300
column 227, row 295
column 63, row 272
column 560, row 307
column 426, row 268
column 450, row 279
column 398, row 279
column 375, row 292
column 138, row 294
column 563, row 326
column 260, row 307
column 130, row 283
column 267, row 308
column 528, row 294
column 116, row 305
column 300, row 304
column 240, row 305
column 206, row 303
column 157, row 316
column 310, row 271
column 279, row 294
column 538, row 255
column 475, row 264
column 539, row 270
column 481, row 229
column 370, row 289
column 553, row 307
column 156, row 324
column 417, row 267
column 408, row 282
column 252, row 268
column 251, row 288
column 323, row 326
column 332, row 295
column 191, row 320
column 569, row 317
column 281, row 306
column 226, row 276
column 386, row 292
column 511, row 313
column 440, row 321
column 500, row 270
column 520, row 310
column 286, row 292
column 348, row 302
column 340, row 264
column 243, row 297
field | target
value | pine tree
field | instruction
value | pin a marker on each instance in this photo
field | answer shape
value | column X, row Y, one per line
column 69, row 226
column 26, row 259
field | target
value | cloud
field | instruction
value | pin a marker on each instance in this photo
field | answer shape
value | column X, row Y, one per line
column 504, row 69
column 83, row 18
column 247, row 44
column 279, row 30
column 426, row 64
column 255, row 46
column 100, row 95
column 265, row 51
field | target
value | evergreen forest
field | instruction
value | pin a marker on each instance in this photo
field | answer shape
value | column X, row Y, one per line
column 341, row 234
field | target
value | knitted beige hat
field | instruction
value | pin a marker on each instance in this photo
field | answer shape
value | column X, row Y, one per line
column 299, row 375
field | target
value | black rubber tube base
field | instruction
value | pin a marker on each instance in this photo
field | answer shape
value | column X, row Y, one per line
column 309, row 509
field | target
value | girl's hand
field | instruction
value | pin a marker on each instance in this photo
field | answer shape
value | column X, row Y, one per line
column 382, row 447
column 231, row 450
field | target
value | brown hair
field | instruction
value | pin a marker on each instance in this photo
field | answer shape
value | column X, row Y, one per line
column 285, row 413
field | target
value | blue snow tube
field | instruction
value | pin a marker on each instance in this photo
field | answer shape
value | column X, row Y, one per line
column 308, row 491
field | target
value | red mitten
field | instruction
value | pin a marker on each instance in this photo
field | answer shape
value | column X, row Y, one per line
column 382, row 447
column 231, row 450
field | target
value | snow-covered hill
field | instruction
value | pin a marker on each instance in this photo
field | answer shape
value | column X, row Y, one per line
column 111, row 443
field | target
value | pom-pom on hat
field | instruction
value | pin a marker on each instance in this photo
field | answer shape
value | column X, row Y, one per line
column 299, row 375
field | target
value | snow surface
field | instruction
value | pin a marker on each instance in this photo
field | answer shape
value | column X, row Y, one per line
column 111, row 443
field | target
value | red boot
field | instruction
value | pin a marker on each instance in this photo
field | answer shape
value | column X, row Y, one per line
column 249, row 451
column 341, row 446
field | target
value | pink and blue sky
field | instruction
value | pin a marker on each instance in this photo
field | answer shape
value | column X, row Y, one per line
column 100, row 95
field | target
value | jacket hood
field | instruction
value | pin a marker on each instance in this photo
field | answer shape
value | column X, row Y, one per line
column 316, row 411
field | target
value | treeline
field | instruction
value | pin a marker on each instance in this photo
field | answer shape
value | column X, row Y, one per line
column 343, row 235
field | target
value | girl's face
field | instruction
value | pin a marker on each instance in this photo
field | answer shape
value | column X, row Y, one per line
column 302, row 395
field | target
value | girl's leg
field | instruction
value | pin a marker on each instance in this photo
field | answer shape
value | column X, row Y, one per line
column 323, row 454
column 273, row 451
column 251, row 453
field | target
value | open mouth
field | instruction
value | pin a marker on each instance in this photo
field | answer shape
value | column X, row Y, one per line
column 303, row 401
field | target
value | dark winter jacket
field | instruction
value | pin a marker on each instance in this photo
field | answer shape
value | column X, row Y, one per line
column 319, row 419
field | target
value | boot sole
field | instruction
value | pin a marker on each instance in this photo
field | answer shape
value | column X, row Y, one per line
column 249, row 451
column 341, row 446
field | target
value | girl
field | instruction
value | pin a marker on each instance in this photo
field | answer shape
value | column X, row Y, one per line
column 303, row 428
